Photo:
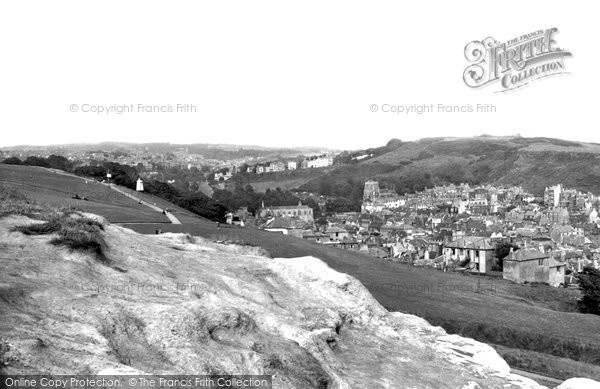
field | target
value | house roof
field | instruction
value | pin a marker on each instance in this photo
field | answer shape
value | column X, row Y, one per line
column 540, row 236
column 472, row 242
column 526, row 232
column 418, row 241
column 335, row 229
column 567, row 229
column 526, row 254
column 277, row 207
column 577, row 240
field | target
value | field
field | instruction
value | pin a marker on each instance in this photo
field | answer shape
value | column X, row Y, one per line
column 534, row 326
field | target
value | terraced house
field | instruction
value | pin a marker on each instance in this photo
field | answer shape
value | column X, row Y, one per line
column 474, row 253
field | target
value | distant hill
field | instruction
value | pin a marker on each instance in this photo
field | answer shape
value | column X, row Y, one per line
column 533, row 163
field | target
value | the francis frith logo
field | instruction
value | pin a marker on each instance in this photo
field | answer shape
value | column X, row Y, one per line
column 516, row 62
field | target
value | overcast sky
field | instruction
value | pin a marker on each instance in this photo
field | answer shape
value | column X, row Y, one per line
column 278, row 73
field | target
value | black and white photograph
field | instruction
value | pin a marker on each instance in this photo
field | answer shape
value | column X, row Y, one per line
column 299, row 195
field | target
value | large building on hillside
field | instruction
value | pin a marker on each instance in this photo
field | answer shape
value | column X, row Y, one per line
column 300, row 212
column 317, row 161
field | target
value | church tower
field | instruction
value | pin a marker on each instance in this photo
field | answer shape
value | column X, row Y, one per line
column 371, row 192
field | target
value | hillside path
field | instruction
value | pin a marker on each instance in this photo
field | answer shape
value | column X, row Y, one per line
column 171, row 217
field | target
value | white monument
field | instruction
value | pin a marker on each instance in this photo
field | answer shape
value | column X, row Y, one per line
column 139, row 186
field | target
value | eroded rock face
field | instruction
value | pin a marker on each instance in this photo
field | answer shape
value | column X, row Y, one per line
column 172, row 304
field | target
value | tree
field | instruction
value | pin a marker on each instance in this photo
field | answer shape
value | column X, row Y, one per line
column 13, row 161
column 502, row 250
column 589, row 282
column 315, row 207
column 322, row 222
column 36, row 161
column 59, row 162
column 341, row 204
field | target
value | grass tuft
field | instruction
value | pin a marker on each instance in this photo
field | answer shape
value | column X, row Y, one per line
column 80, row 233
column 75, row 231
column 38, row 228
column 13, row 202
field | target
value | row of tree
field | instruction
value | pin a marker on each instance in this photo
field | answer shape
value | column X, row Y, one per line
column 53, row 161
column 245, row 196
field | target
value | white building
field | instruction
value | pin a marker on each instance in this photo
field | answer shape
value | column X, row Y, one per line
column 276, row 167
column 225, row 176
column 552, row 196
column 322, row 161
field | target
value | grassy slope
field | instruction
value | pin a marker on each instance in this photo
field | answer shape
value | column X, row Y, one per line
column 164, row 204
column 560, row 368
column 56, row 189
